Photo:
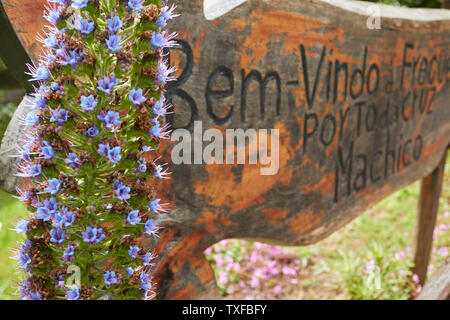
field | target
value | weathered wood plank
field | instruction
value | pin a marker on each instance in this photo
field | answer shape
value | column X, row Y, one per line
column 12, row 52
column 361, row 113
column 438, row 286
column 430, row 191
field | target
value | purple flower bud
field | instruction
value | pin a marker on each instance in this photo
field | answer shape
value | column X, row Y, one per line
column 114, row 24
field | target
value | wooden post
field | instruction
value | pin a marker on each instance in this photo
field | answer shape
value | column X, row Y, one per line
column 12, row 52
column 430, row 191
column 446, row 4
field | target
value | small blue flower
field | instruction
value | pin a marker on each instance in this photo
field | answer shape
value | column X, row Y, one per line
column 57, row 235
column 107, row 84
column 47, row 151
column 88, row 103
column 73, row 294
column 60, row 116
column 166, row 14
column 114, row 24
column 156, row 207
column 63, row 219
column 24, row 259
column 147, row 259
column 22, row 226
column 68, row 253
column 110, row 278
column 66, row 58
column 52, row 16
column 122, row 192
column 164, row 73
column 34, row 171
column 103, row 149
column 53, row 186
column 162, row 40
column 133, row 217
column 92, row 132
column 113, row 43
column 156, row 130
column 35, row 296
column 114, row 155
column 72, row 160
column 158, row 40
column 93, row 235
column 159, row 109
column 145, row 281
column 129, row 271
column 79, row 4
column 133, row 251
column 136, row 5
column 110, row 119
column 142, row 167
column 44, row 214
column 85, row 27
column 136, row 96
column 51, row 205
column 50, row 41
column 55, row 86
column 150, row 228
column 31, row 119
column 40, row 74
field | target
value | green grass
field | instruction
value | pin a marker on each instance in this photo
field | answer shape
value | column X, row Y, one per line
column 10, row 212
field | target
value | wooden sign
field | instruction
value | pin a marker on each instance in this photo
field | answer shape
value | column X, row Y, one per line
column 360, row 113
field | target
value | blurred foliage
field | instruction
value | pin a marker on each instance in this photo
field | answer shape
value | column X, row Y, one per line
column 6, row 112
column 412, row 3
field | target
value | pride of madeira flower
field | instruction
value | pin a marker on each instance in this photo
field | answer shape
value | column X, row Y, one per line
column 91, row 149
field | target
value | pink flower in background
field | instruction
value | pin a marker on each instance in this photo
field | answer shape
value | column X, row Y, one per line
column 254, row 257
column 275, row 251
column 415, row 278
column 369, row 267
column 254, row 282
column 401, row 255
column 223, row 278
column 446, row 214
column 431, row 268
column 219, row 260
column 443, row 251
column 289, row 271
column 208, row 251
column 277, row 289
column 408, row 250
